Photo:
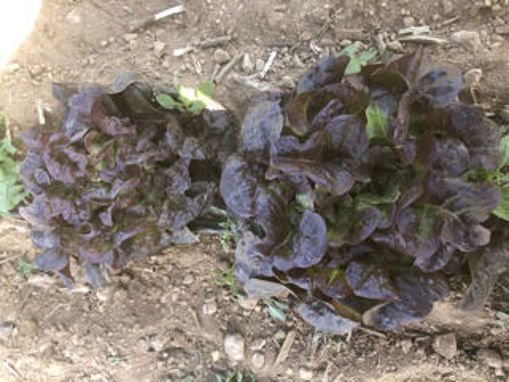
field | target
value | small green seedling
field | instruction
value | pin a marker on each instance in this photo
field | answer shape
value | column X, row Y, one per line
column 229, row 236
column 357, row 59
column 377, row 125
column 12, row 191
column 24, row 266
column 226, row 278
column 276, row 309
column 234, row 376
column 190, row 100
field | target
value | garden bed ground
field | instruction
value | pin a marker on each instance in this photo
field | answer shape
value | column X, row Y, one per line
column 165, row 318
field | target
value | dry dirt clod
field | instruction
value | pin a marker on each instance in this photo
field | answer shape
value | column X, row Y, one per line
column 468, row 39
column 258, row 360
column 490, row 357
column 445, row 345
column 222, row 56
column 234, row 347
column 305, row 374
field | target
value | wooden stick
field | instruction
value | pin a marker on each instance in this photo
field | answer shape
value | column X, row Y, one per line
column 421, row 39
column 229, row 66
column 414, row 30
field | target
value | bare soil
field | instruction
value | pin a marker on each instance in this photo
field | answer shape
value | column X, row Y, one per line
column 165, row 318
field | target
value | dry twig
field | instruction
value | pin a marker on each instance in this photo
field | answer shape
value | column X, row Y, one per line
column 285, row 349
column 268, row 64
column 421, row 39
column 143, row 22
column 229, row 66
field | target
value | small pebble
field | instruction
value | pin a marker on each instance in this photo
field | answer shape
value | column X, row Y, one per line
column 188, row 280
column 248, row 303
column 221, row 56
column 159, row 48
column 104, row 43
column 257, row 344
column 247, row 64
column 345, row 42
column 128, row 37
column 395, row 46
column 445, row 345
column 280, row 335
column 406, row 346
column 210, row 307
column 305, row 374
column 36, row 70
column 259, row 65
column 306, row 36
column 258, row 360
column 287, row 82
column 105, row 294
column 166, row 64
column 408, row 21
column 234, row 347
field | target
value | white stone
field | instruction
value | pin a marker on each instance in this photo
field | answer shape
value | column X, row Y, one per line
column 258, row 360
column 210, row 307
column 234, row 347
column 305, row 374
